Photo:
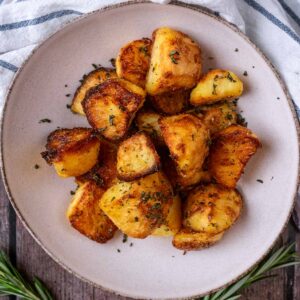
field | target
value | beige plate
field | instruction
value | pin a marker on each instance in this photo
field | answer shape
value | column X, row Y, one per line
column 152, row 268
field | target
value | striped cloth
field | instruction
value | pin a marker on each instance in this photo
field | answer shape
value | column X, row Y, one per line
column 274, row 25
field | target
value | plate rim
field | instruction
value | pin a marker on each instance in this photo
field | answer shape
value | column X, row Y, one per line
column 200, row 10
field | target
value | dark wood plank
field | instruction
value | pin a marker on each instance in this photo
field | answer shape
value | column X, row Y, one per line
column 297, row 270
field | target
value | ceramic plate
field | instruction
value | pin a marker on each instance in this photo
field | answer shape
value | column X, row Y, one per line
column 151, row 268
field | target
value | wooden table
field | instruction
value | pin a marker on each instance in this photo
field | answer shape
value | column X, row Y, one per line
column 29, row 257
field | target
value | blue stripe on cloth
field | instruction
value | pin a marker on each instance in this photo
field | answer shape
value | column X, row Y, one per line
column 273, row 19
column 290, row 12
column 8, row 66
column 39, row 20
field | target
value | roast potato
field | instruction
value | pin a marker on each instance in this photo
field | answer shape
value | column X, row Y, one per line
column 85, row 215
column 211, row 208
column 171, row 103
column 137, row 157
column 72, row 152
column 90, row 80
column 133, row 61
column 187, row 139
column 147, row 120
column 104, row 173
column 230, row 151
column 111, row 106
column 175, row 62
column 138, row 207
column 187, row 239
column 172, row 223
column 215, row 86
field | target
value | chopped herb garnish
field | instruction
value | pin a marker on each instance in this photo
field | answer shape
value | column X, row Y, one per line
column 95, row 66
column 229, row 77
column 68, row 95
column 241, row 120
column 228, row 116
column 278, row 98
column 66, row 85
column 72, row 193
column 259, row 180
column 131, row 244
column 193, row 137
column 36, row 166
column 122, row 108
column 101, row 129
column 184, row 253
column 214, row 91
column 45, row 121
column 253, row 67
column 136, row 219
column 99, row 181
column 68, row 106
column 272, row 177
column 236, row 50
column 113, row 62
column 125, row 237
column 119, row 250
column 144, row 50
column 111, row 120
column 174, row 55
column 245, row 73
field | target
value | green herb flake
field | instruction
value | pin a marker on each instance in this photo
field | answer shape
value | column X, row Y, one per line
column 229, row 77
column 131, row 244
column 101, row 129
column 45, row 120
column 118, row 250
column 184, row 253
column 99, row 181
column 68, row 106
column 245, row 73
column 36, row 166
column 174, row 55
column 236, row 50
column 260, row 180
column 214, row 91
column 144, row 50
column 66, row 85
column 136, row 219
column 95, row 66
column 68, row 95
column 111, row 120
column 72, row 193
column 228, row 116
column 113, row 62
column 125, row 237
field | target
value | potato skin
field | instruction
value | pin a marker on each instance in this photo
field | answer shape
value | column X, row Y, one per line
column 137, row 157
column 133, row 61
column 187, row 239
column 187, row 139
column 72, row 152
column 230, row 151
column 138, row 207
column 175, row 62
column 85, row 215
column 212, row 208
column 111, row 106
column 216, row 85
column 171, row 103
column 90, row 80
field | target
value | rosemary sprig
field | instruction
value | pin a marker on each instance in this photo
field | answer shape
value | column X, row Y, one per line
column 282, row 258
column 12, row 283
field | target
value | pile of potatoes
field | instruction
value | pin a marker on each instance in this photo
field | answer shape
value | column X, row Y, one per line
column 164, row 151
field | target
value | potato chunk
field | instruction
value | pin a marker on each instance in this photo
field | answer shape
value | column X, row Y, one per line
column 187, row 239
column 172, row 223
column 133, row 61
column 212, row 208
column 170, row 103
column 72, row 152
column 175, row 62
column 111, row 106
column 215, row 86
column 230, row 151
column 138, row 207
column 147, row 120
column 90, row 80
column 85, row 215
column 104, row 173
column 187, row 139
column 137, row 157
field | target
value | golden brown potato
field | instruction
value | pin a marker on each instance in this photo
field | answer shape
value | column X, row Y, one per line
column 187, row 139
column 137, row 157
column 72, row 152
column 218, row 116
column 170, row 103
column 230, row 151
column 85, row 215
column 175, row 62
column 172, row 223
column 147, row 120
column 111, row 106
column 104, row 173
column 212, row 208
column 133, row 61
column 187, row 239
column 138, row 207
column 90, row 80
column 215, row 86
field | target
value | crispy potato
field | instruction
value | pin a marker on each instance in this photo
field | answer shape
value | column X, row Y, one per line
column 187, row 139
column 175, row 62
column 133, row 61
column 218, row 116
column 104, row 173
column 90, row 80
column 212, row 208
column 187, row 239
column 170, row 103
column 72, row 152
column 111, row 106
column 216, row 85
column 172, row 222
column 137, row 157
column 138, row 207
column 230, row 151
column 85, row 215
column 147, row 120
